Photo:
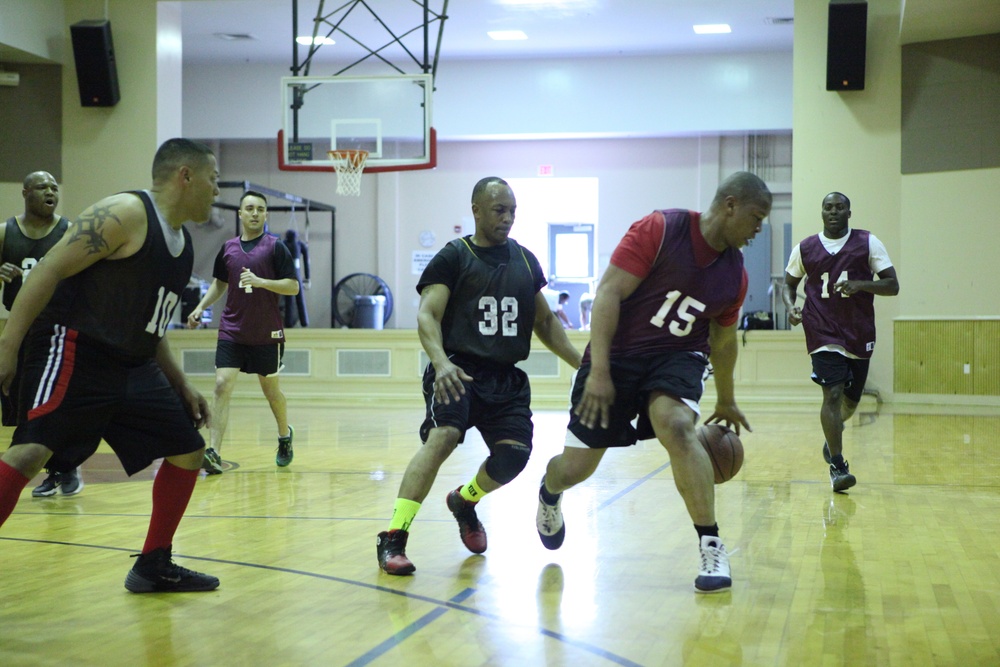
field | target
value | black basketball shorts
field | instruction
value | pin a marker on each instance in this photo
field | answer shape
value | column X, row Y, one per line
column 497, row 402
column 254, row 359
column 678, row 374
column 73, row 394
column 833, row 368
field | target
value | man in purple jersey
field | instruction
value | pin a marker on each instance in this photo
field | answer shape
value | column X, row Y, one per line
column 251, row 329
column 840, row 266
column 668, row 302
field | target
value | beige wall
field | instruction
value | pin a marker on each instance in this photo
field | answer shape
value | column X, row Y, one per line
column 11, row 201
column 849, row 141
column 107, row 150
column 948, row 248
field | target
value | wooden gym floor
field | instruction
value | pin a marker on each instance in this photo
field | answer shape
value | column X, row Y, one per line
column 903, row 570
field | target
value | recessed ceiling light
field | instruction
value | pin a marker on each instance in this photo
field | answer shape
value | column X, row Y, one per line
column 306, row 40
column 234, row 36
column 507, row 35
column 712, row 29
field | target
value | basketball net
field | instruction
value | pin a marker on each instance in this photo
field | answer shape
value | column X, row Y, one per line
column 348, row 164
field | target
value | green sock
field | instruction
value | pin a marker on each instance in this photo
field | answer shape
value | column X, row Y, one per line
column 403, row 513
column 472, row 491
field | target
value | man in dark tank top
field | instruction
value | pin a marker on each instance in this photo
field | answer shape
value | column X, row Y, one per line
column 95, row 363
column 480, row 301
column 843, row 270
column 24, row 239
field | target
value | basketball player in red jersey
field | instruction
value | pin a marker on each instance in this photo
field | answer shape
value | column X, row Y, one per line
column 668, row 303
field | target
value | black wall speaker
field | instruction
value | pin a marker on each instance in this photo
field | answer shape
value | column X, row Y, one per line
column 96, row 71
column 846, row 39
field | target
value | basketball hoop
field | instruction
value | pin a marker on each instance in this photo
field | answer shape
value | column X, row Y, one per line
column 349, row 164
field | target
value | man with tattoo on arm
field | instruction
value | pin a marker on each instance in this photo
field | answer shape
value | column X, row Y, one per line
column 95, row 362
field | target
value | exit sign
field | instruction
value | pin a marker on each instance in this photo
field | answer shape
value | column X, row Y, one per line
column 545, row 170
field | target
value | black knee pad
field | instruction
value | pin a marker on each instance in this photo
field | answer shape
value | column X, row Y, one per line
column 507, row 461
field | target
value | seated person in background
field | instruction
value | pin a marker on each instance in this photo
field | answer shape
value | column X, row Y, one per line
column 560, row 312
column 586, row 303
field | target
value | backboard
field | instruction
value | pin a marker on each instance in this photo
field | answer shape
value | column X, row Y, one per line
column 388, row 116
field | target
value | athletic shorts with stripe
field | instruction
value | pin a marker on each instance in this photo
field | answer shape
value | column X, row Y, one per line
column 497, row 402
column 677, row 374
column 254, row 359
column 74, row 393
column 832, row 368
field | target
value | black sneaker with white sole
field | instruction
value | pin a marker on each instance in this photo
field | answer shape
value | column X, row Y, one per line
column 285, row 452
column 48, row 487
column 841, row 478
column 212, row 463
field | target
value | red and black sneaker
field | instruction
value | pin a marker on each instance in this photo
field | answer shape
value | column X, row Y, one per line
column 471, row 530
column 391, row 547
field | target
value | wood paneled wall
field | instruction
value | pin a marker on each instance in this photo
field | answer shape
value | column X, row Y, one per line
column 947, row 357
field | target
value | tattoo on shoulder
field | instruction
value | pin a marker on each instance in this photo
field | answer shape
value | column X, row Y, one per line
column 89, row 228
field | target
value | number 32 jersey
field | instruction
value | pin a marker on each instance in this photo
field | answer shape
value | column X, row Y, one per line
column 686, row 284
column 491, row 310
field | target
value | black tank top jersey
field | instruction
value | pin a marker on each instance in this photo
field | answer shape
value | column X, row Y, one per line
column 491, row 310
column 24, row 252
column 832, row 318
column 124, row 305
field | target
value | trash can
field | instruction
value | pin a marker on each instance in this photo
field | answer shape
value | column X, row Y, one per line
column 369, row 312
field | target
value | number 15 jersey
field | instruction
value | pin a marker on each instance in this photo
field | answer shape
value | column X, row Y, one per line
column 686, row 284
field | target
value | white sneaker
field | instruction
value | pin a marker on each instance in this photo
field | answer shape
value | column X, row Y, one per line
column 715, row 576
column 549, row 521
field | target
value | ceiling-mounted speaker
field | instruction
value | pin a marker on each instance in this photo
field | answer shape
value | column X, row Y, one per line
column 96, row 70
column 846, row 41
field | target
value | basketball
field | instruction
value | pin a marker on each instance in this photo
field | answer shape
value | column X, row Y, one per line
column 724, row 448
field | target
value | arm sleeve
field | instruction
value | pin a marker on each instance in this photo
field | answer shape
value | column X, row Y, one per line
column 284, row 265
column 878, row 256
column 219, row 270
column 638, row 249
column 795, row 267
column 732, row 314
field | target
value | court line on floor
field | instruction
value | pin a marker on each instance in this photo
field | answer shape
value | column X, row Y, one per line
column 631, row 487
column 397, row 638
